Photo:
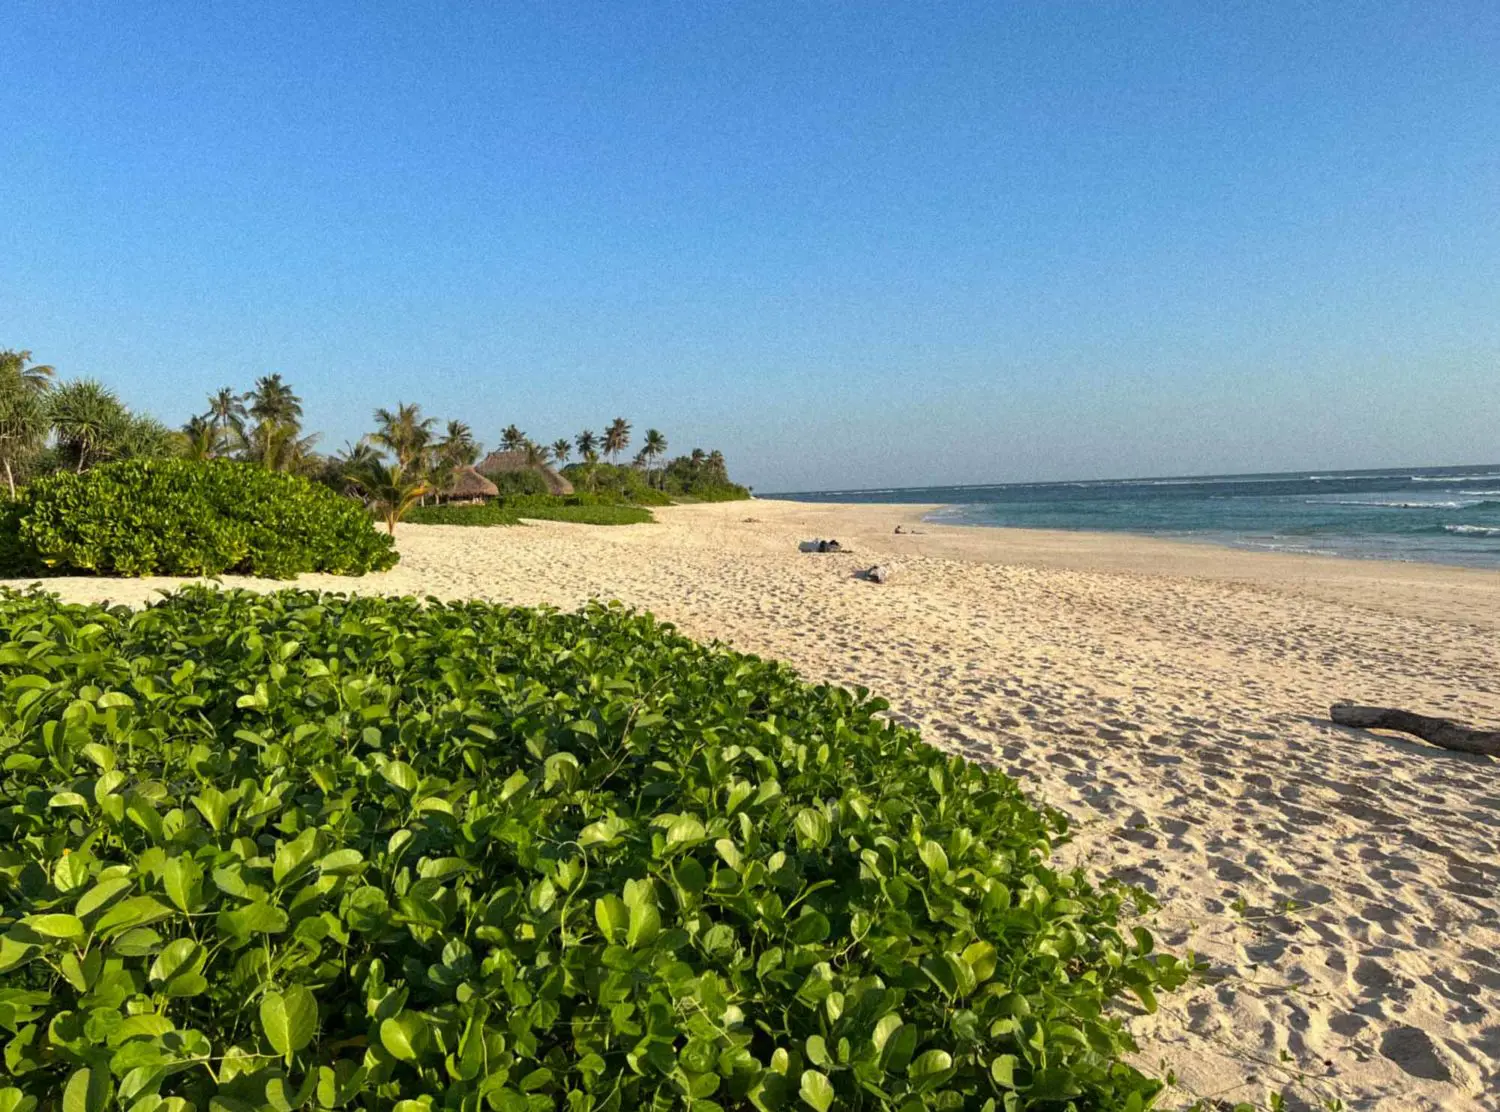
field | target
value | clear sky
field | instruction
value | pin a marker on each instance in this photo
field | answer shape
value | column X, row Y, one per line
column 864, row 244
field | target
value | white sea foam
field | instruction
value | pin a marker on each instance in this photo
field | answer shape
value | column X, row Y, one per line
column 1394, row 505
column 1473, row 530
column 1454, row 478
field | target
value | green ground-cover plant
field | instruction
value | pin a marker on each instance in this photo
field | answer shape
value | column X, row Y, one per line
column 581, row 509
column 183, row 517
column 302, row 851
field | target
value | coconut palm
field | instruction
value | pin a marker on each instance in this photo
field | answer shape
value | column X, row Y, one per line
column 458, row 444
column 590, row 468
column 512, row 439
column 561, row 447
column 36, row 377
column 226, row 414
column 654, row 448
column 616, row 437
column 389, row 489
column 536, row 454
column 275, row 439
column 273, row 400
column 277, row 446
column 404, row 432
column 587, row 443
column 202, row 437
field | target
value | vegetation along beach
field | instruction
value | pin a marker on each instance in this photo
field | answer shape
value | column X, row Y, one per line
column 771, row 557
column 1315, row 904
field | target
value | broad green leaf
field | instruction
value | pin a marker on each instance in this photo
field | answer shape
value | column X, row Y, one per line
column 179, row 956
column 87, row 1090
column 930, row 1063
column 813, row 831
column 400, row 775
column 55, row 926
column 137, row 911
column 934, row 858
column 612, row 916
column 403, row 1036
column 645, row 924
column 816, row 1090
column 183, row 880
column 289, row 1019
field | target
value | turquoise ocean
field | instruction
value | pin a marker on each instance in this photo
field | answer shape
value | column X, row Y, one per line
column 1445, row 515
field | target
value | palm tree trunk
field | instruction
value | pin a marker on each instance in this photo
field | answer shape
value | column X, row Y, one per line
column 10, row 480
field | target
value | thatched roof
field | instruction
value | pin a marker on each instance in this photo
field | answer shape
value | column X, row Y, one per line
column 468, row 483
column 497, row 463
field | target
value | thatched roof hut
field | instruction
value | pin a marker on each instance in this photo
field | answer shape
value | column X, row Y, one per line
column 499, row 463
column 470, row 485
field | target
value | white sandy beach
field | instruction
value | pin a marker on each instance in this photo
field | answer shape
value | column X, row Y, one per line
column 1172, row 699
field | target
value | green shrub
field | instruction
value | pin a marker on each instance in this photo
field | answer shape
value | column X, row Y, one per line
column 487, row 513
column 578, row 509
column 520, row 482
column 178, row 517
column 291, row 850
column 614, row 481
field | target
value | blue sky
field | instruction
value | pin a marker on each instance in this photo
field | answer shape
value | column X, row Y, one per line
column 848, row 244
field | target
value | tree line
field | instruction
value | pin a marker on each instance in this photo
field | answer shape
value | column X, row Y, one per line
column 47, row 425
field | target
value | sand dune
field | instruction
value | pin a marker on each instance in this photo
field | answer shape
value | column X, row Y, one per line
column 1342, row 886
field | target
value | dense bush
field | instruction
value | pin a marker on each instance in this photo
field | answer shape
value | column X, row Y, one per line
column 297, row 851
column 520, row 482
column 615, row 481
column 701, row 477
column 178, row 517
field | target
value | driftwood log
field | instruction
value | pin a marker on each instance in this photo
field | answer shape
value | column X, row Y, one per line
column 1439, row 731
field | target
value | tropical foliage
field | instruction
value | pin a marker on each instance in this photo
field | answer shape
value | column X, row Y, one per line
column 77, row 424
column 179, row 517
column 299, row 851
column 579, row 509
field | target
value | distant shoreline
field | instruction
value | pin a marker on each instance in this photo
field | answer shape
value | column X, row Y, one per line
column 1445, row 516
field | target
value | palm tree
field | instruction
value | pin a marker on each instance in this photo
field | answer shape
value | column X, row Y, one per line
column 587, row 443
column 226, row 413
column 654, row 448
column 389, row 489
column 404, row 432
column 84, row 413
column 590, row 464
column 537, row 455
column 357, row 456
column 457, row 449
column 37, row 377
column 275, row 440
column 512, row 439
column 458, row 444
column 202, row 437
column 560, row 449
column 616, row 437
column 277, row 447
column 273, row 400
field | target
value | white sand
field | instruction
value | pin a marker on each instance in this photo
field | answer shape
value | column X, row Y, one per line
column 1171, row 698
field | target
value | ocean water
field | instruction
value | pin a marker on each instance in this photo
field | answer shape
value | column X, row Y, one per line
column 1445, row 515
